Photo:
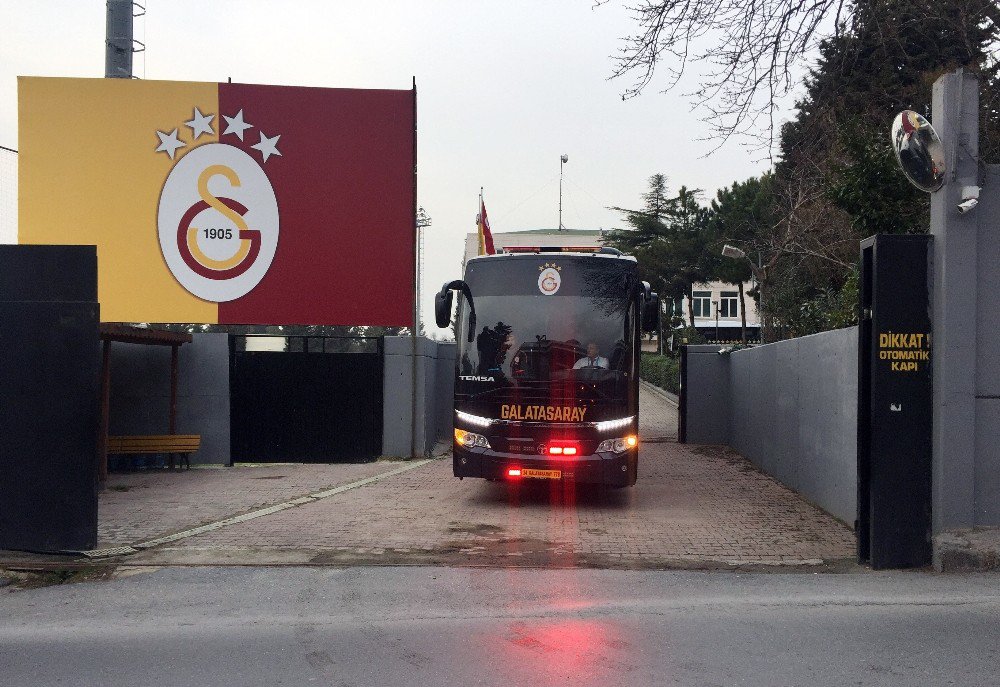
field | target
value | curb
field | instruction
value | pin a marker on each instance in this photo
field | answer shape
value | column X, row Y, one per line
column 967, row 551
column 662, row 393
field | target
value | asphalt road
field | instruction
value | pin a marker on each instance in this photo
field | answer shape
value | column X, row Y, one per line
column 468, row 626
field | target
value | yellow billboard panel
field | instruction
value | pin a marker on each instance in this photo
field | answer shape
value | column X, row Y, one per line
column 88, row 175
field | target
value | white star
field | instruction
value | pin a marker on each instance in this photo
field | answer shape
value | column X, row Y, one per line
column 201, row 124
column 267, row 145
column 169, row 143
column 236, row 125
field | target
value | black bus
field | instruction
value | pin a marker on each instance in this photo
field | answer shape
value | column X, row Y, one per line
column 547, row 369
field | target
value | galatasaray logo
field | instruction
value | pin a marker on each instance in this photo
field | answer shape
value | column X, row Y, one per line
column 549, row 279
column 218, row 215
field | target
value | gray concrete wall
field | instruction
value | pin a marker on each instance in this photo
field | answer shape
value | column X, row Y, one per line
column 435, row 366
column 789, row 407
column 707, row 396
column 986, row 510
column 140, row 392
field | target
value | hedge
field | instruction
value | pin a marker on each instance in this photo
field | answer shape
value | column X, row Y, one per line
column 661, row 370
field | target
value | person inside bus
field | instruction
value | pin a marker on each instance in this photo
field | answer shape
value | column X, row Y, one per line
column 493, row 344
column 593, row 359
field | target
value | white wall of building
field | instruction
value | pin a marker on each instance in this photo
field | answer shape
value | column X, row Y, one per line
column 8, row 196
column 722, row 298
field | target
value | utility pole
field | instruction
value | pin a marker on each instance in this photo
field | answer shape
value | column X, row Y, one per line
column 118, row 40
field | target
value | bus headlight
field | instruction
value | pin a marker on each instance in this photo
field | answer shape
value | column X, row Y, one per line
column 612, row 425
column 619, row 445
column 470, row 439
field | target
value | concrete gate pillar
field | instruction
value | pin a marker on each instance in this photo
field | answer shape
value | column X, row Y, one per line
column 964, row 314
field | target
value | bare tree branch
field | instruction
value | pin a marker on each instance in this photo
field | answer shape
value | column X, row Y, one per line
column 753, row 48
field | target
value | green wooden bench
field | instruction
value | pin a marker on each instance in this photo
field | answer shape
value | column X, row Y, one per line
column 169, row 444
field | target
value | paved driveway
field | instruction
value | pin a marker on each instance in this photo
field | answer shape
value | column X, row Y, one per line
column 693, row 507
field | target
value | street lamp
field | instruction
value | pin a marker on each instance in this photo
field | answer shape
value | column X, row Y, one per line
column 732, row 252
column 563, row 159
column 758, row 272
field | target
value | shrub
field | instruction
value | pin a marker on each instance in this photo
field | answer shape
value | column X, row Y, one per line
column 661, row 370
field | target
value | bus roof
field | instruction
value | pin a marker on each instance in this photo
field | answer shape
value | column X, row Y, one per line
column 566, row 251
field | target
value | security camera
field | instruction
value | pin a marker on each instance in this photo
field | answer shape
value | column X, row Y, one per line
column 967, row 205
column 970, row 199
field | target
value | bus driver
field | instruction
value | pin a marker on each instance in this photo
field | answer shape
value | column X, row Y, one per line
column 593, row 359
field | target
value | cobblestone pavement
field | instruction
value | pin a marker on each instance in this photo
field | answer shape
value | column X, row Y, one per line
column 692, row 507
column 697, row 507
column 657, row 416
column 139, row 506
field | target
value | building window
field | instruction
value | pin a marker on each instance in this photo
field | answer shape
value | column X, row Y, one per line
column 729, row 304
column 679, row 307
column 702, row 303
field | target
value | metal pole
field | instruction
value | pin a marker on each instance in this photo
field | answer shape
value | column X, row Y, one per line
column 173, row 388
column 102, row 439
column 416, row 276
column 560, row 193
column 118, row 40
column 759, row 274
column 416, row 295
column 563, row 159
column 659, row 331
column 716, row 321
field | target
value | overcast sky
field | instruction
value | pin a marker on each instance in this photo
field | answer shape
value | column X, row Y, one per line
column 504, row 88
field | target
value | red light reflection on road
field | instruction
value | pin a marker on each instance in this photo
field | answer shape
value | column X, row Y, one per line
column 564, row 651
column 557, row 544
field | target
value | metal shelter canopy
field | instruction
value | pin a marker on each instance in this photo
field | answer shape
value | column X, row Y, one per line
column 124, row 333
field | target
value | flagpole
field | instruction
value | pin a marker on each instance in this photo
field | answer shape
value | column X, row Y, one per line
column 479, row 224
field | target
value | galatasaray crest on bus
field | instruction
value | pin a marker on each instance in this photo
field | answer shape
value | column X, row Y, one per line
column 218, row 216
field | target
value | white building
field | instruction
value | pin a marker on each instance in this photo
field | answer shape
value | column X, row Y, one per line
column 717, row 311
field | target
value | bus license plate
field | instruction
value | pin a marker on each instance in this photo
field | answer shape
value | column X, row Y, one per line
column 544, row 474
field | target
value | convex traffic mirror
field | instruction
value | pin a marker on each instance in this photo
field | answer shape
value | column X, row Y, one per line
column 918, row 150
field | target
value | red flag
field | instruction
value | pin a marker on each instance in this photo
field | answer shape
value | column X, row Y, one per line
column 485, row 236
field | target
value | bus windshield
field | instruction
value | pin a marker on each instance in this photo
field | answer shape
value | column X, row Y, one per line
column 582, row 332
column 537, row 338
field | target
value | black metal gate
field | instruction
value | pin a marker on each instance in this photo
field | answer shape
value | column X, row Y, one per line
column 306, row 407
column 894, row 403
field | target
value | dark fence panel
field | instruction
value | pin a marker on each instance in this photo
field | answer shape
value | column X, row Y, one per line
column 49, row 397
column 306, row 407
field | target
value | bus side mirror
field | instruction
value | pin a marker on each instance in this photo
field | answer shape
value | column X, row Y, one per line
column 651, row 313
column 442, row 307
